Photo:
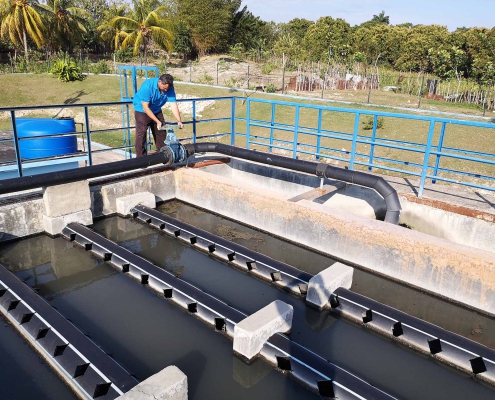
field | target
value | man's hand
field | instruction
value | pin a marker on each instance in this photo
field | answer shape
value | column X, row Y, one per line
column 180, row 124
column 158, row 124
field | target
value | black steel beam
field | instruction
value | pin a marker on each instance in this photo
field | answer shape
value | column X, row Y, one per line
column 81, row 362
column 455, row 349
column 305, row 366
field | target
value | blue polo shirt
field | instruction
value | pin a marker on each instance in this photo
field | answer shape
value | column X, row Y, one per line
column 149, row 92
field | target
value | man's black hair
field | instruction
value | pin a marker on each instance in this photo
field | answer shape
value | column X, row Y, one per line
column 167, row 78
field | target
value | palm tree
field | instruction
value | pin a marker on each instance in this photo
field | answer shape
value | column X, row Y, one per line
column 22, row 19
column 114, row 33
column 66, row 23
column 145, row 26
column 381, row 18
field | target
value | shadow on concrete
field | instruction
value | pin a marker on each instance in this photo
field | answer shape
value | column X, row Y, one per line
column 485, row 199
column 413, row 188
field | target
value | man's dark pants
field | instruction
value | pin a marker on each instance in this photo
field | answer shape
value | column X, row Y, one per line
column 142, row 124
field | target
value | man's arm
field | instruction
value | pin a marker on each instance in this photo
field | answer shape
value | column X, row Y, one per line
column 149, row 113
column 175, row 110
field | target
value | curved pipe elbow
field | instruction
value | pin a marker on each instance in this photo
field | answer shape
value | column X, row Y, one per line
column 379, row 184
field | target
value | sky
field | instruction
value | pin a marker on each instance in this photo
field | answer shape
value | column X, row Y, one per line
column 451, row 13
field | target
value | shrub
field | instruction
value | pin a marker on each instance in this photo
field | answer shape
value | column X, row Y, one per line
column 124, row 55
column 267, row 68
column 234, row 83
column 270, row 88
column 101, row 67
column 207, row 79
column 67, row 70
column 368, row 124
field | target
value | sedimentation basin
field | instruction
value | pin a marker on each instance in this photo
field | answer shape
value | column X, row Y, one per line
column 144, row 333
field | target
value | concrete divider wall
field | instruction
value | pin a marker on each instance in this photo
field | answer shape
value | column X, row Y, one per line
column 451, row 270
column 21, row 219
column 104, row 198
column 448, row 225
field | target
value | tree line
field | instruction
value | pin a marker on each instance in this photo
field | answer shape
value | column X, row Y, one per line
column 191, row 28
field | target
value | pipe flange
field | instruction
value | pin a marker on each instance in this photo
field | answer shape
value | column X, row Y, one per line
column 320, row 169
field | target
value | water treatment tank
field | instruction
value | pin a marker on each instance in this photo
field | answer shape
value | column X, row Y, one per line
column 46, row 147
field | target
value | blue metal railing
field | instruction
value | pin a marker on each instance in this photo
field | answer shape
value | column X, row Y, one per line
column 422, row 169
column 423, row 160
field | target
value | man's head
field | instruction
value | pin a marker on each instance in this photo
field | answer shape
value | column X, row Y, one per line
column 165, row 82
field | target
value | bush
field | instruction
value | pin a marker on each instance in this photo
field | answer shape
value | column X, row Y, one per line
column 267, row 68
column 124, row 55
column 368, row 124
column 270, row 88
column 67, row 70
column 206, row 79
column 101, row 67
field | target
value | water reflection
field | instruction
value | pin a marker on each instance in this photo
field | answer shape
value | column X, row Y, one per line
column 371, row 357
column 142, row 331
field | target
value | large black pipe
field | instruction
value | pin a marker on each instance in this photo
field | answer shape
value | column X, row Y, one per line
column 72, row 175
column 322, row 170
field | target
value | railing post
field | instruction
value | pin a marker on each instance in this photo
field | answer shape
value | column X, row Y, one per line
column 439, row 149
column 88, row 135
column 318, row 138
column 296, row 133
column 248, row 122
column 427, row 157
column 373, row 137
column 194, row 132
column 129, row 137
column 354, row 140
column 16, row 144
column 272, row 123
column 232, row 122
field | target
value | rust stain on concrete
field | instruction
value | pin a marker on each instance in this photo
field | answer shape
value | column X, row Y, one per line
column 461, row 210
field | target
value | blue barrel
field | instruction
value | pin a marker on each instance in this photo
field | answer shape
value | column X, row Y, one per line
column 46, row 147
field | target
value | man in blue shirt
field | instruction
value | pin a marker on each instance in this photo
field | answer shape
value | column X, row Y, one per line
column 148, row 103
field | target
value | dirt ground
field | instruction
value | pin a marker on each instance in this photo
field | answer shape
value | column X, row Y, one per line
column 224, row 71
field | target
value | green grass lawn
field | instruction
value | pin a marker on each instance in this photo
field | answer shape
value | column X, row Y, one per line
column 39, row 90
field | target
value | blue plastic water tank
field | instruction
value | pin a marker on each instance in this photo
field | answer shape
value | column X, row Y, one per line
column 46, row 147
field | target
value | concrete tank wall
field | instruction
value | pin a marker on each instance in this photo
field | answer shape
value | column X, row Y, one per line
column 454, row 271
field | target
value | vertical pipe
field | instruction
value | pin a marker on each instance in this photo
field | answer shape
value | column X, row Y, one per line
column 194, row 133
column 439, row 149
column 318, row 138
column 232, row 122
column 88, row 135
column 248, row 122
column 272, row 123
column 16, row 144
column 427, row 158
column 354, row 141
column 296, row 133
column 126, row 88
column 134, row 81
column 373, row 137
